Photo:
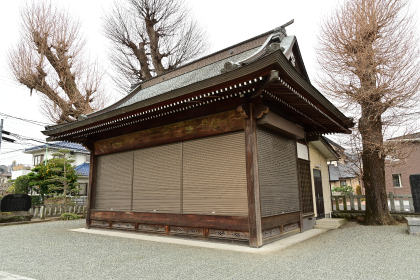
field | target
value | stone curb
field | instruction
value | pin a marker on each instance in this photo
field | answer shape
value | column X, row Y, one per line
column 30, row 222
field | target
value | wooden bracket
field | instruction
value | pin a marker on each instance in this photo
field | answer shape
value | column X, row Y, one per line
column 259, row 110
column 88, row 145
column 274, row 76
column 243, row 109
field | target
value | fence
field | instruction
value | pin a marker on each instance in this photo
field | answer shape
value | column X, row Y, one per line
column 42, row 211
column 343, row 203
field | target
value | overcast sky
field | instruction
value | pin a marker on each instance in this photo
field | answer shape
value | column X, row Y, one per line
column 226, row 21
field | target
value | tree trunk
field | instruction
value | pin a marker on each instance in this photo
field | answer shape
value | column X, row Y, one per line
column 377, row 211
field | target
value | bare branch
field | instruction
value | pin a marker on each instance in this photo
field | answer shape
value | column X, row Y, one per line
column 50, row 59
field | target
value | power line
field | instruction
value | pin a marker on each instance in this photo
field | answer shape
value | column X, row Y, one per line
column 25, row 120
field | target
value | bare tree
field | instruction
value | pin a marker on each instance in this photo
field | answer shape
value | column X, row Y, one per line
column 369, row 59
column 50, row 59
column 151, row 37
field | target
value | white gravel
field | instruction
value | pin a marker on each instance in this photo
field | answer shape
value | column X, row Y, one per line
column 51, row 251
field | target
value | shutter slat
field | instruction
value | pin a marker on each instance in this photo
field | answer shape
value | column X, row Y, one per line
column 114, row 181
column 157, row 179
column 279, row 192
column 215, row 175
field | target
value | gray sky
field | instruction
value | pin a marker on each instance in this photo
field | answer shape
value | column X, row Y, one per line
column 227, row 22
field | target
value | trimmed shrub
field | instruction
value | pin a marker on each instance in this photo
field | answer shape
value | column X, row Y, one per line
column 69, row 216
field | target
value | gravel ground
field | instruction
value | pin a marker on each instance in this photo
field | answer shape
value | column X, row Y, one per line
column 51, row 251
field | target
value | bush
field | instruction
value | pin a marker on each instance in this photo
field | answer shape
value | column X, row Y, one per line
column 69, row 216
column 358, row 190
column 343, row 189
column 37, row 200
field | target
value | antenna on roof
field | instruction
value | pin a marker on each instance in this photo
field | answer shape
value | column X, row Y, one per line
column 287, row 23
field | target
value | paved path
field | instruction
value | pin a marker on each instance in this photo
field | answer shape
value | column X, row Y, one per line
column 51, row 251
column 9, row 276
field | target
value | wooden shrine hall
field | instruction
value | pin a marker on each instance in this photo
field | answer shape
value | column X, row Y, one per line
column 209, row 150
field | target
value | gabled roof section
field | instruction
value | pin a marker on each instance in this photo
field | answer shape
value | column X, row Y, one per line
column 59, row 145
column 210, row 79
column 83, row 169
column 341, row 171
column 408, row 137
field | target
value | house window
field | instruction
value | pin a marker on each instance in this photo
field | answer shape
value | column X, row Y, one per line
column 87, row 158
column 38, row 159
column 343, row 183
column 396, row 180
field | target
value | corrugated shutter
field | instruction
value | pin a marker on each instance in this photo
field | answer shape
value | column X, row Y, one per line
column 306, row 186
column 279, row 191
column 157, row 179
column 215, row 175
column 114, row 182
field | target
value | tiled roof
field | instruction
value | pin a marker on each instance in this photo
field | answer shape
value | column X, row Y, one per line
column 413, row 136
column 83, row 169
column 341, row 171
column 197, row 75
column 60, row 145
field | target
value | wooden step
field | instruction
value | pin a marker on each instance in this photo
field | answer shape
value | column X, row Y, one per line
column 329, row 223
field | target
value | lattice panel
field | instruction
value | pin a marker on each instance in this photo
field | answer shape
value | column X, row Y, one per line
column 114, row 182
column 227, row 234
column 126, row 226
column 95, row 223
column 290, row 227
column 306, row 186
column 271, row 232
column 157, row 179
column 215, row 175
column 277, row 157
column 152, row 228
column 186, row 231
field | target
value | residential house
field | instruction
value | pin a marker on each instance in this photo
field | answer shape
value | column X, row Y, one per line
column 80, row 155
column 209, row 149
column 398, row 169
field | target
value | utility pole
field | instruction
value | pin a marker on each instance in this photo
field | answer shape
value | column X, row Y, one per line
column 1, row 129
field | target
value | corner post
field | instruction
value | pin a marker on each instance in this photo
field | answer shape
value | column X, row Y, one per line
column 90, row 201
column 250, row 113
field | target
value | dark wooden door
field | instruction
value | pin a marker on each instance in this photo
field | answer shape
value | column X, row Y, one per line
column 319, row 195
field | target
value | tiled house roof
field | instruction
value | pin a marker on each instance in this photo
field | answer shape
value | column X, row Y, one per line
column 83, row 169
column 341, row 171
column 61, row 145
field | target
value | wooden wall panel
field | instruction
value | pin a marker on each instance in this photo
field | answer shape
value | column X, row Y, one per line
column 114, row 182
column 190, row 129
column 157, row 179
column 278, row 173
column 201, row 221
column 214, row 175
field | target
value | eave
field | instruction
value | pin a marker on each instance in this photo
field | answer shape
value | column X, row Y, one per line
column 290, row 91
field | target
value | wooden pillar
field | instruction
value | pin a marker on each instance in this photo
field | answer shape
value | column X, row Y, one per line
column 90, row 201
column 300, row 187
column 252, row 176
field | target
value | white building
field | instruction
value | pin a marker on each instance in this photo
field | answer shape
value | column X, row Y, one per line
column 80, row 155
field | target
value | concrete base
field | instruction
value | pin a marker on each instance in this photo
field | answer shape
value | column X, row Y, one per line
column 308, row 223
column 329, row 223
column 413, row 226
column 266, row 249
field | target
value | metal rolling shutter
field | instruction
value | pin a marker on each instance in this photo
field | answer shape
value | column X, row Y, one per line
column 114, row 182
column 157, row 179
column 214, row 175
column 306, row 186
column 279, row 191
